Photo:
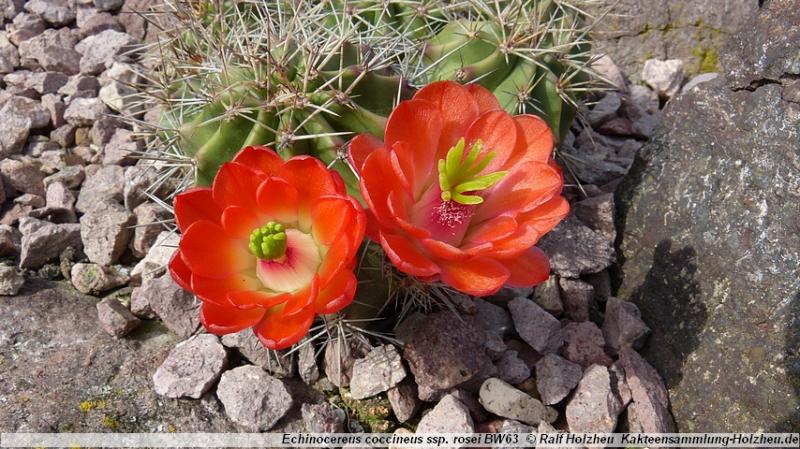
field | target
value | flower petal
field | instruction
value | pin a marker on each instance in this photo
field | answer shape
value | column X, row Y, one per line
column 180, row 272
column 377, row 180
column 491, row 230
column 457, row 107
column 302, row 298
column 277, row 200
column 310, row 177
column 480, row 276
column 330, row 217
column 248, row 299
column 338, row 294
column 227, row 320
column 534, row 140
column 360, row 147
column 209, row 252
column 236, row 185
column 261, row 158
column 528, row 269
column 525, row 237
column 277, row 331
column 239, row 221
column 399, row 212
column 497, row 131
column 419, row 123
column 441, row 250
column 483, row 97
column 194, row 205
column 216, row 290
column 547, row 216
column 339, row 256
column 406, row 257
column 524, row 188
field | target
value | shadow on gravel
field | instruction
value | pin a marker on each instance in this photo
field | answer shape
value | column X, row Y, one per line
column 669, row 301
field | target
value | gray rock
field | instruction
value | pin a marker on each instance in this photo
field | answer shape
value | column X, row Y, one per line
column 99, row 22
column 80, row 83
column 18, row 128
column 85, row 366
column 11, row 281
column 150, row 218
column 535, row 326
column 665, row 77
column 404, row 400
column 504, row 400
column 650, row 410
column 177, row 308
column 448, row 416
column 605, row 109
column 512, row 369
column 619, row 383
column 698, row 80
column 24, row 27
column 122, row 149
column 578, row 297
column 71, row 176
column 597, row 212
column 10, row 8
column 118, row 91
column 556, row 377
column 595, row 407
column 252, row 398
column 494, row 319
column 41, row 82
column 323, row 418
column 339, row 358
column 548, row 296
column 55, row 12
column 623, row 326
column 53, row 50
column 99, row 51
column 90, row 278
column 63, row 135
column 42, row 241
column 279, row 364
column 307, row 364
column 84, row 111
column 106, row 231
column 641, row 106
column 444, row 352
column 575, row 249
column 23, row 175
column 692, row 31
column 9, row 241
column 607, row 70
column 583, row 344
column 155, row 262
column 132, row 18
column 716, row 281
column 381, row 369
column 140, row 182
column 60, row 202
column 101, row 186
column 115, row 318
column 140, row 305
column 191, row 368
column 108, row 5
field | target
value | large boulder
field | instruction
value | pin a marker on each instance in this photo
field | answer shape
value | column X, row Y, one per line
column 710, row 241
column 638, row 30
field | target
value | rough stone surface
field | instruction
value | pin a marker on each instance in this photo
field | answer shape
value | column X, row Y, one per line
column 55, row 12
column 595, row 407
column 52, row 50
column 23, row 175
column 692, row 31
column 623, row 326
column 9, row 240
column 548, row 296
column 511, row 368
column 381, row 369
column 649, row 411
column 583, row 344
column 97, row 380
column 323, row 418
column 155, row 262
column 578, row 297
column 191, row 368
column 149, row 224
column 339, row 359
column 122, row 148
column 98, row 52
column 575, row 249
column 711, row 259
column 90, row 278
column 538, row 328
column 252, row 398
column 10, row 280
column 448, row 416
column 115, row 318
column 556, row 377
column 177, row 308
column 444, row 352
column 504, row 400
column 275, row 363
column 404, row 400
column 101, row 185
column 665, row 77
column 106, row 231
column 307, row 364
column 42, row 241
column 84, row 111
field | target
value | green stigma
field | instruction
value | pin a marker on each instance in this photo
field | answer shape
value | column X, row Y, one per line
column 459, row 175
column 269, row 241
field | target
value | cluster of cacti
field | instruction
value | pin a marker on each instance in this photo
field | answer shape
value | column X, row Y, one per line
column 304, row 76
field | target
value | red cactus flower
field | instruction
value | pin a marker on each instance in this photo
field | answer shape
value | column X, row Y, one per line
column 460, row 191
column 268, row 246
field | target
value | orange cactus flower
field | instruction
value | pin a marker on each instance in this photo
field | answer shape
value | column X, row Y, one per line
column 460, row 191
column 268, row 246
